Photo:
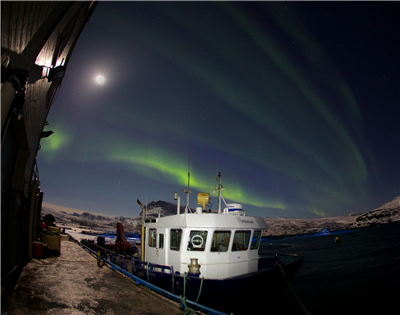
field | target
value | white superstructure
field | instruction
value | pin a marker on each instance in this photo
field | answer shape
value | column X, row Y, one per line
column 225, row 242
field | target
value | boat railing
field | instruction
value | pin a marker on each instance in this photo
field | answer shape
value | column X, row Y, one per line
column 119, row 260
column 152, row 266
column 115, row 258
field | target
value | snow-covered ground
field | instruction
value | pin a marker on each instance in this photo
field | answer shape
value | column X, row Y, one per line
column 75, row 221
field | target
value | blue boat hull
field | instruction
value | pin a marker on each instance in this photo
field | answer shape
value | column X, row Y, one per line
column 233, row 295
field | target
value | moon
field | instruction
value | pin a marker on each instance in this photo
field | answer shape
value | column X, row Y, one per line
column 100, row 79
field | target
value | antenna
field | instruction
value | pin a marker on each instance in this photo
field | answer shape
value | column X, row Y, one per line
column 143, row 211
column 219, row 191
column 216, row 162
column 187, row 192
column 220, row 187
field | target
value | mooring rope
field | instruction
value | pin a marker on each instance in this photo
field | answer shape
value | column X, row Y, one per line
column 148, row 272
column 173, row 281
column 188, row 310
column 294, row 293
column 184, row 284
column 201, row 286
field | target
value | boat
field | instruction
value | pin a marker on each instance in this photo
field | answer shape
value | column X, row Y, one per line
column 211, row 256
column 323, row 232
column 128, row 235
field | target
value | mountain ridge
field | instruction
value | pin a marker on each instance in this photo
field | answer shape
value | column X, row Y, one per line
column 388, row 212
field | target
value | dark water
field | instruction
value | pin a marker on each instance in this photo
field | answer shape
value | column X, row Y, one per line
column 358, row 275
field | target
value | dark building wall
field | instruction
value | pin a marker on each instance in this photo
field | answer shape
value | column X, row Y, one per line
column 37, row 40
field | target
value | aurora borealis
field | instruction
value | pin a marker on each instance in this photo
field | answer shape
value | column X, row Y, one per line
column 296, row 104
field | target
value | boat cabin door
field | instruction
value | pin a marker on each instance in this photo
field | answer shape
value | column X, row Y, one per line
column 173, row 255
column 155, row 251
column 160, row 248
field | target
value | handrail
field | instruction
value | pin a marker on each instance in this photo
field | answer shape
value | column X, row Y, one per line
column 151, row 266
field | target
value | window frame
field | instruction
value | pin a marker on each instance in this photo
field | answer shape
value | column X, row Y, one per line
column 191, row 246
column 161, row 240
column 218, row 247
column 177, row 239
column 257, row 242
column 152, row 237
column 241, row 246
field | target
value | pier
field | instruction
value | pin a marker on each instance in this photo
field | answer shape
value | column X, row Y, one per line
column 73, row 283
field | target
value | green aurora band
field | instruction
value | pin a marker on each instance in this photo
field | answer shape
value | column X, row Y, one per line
column 277, row 104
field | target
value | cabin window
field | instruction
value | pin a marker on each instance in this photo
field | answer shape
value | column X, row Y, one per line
column 152, row 237
column 255, row 241
column 197, row 240
column 176, row 236
column 220, row 241
column 160, row 240
column 241, row 240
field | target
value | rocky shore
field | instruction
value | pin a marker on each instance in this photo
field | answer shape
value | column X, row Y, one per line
column 81, row 220
column 289, row 226
column 387, row 213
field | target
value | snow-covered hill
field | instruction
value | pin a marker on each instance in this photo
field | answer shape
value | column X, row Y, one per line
column 389, row 212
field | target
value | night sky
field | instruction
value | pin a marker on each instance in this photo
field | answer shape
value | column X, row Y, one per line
column 296, row 104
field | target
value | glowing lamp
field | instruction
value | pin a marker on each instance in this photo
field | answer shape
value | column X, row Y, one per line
column 56, row 73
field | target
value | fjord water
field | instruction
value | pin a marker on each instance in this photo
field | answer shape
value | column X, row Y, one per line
column 358, row 275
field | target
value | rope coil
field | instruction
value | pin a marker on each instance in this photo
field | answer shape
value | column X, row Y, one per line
column 188, row 310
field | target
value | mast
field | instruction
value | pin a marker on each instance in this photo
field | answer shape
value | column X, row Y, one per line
column 142, row 237
column 187, row 192
column 219, row 188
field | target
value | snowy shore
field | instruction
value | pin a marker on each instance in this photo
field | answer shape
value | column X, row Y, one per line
column 77, row 220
